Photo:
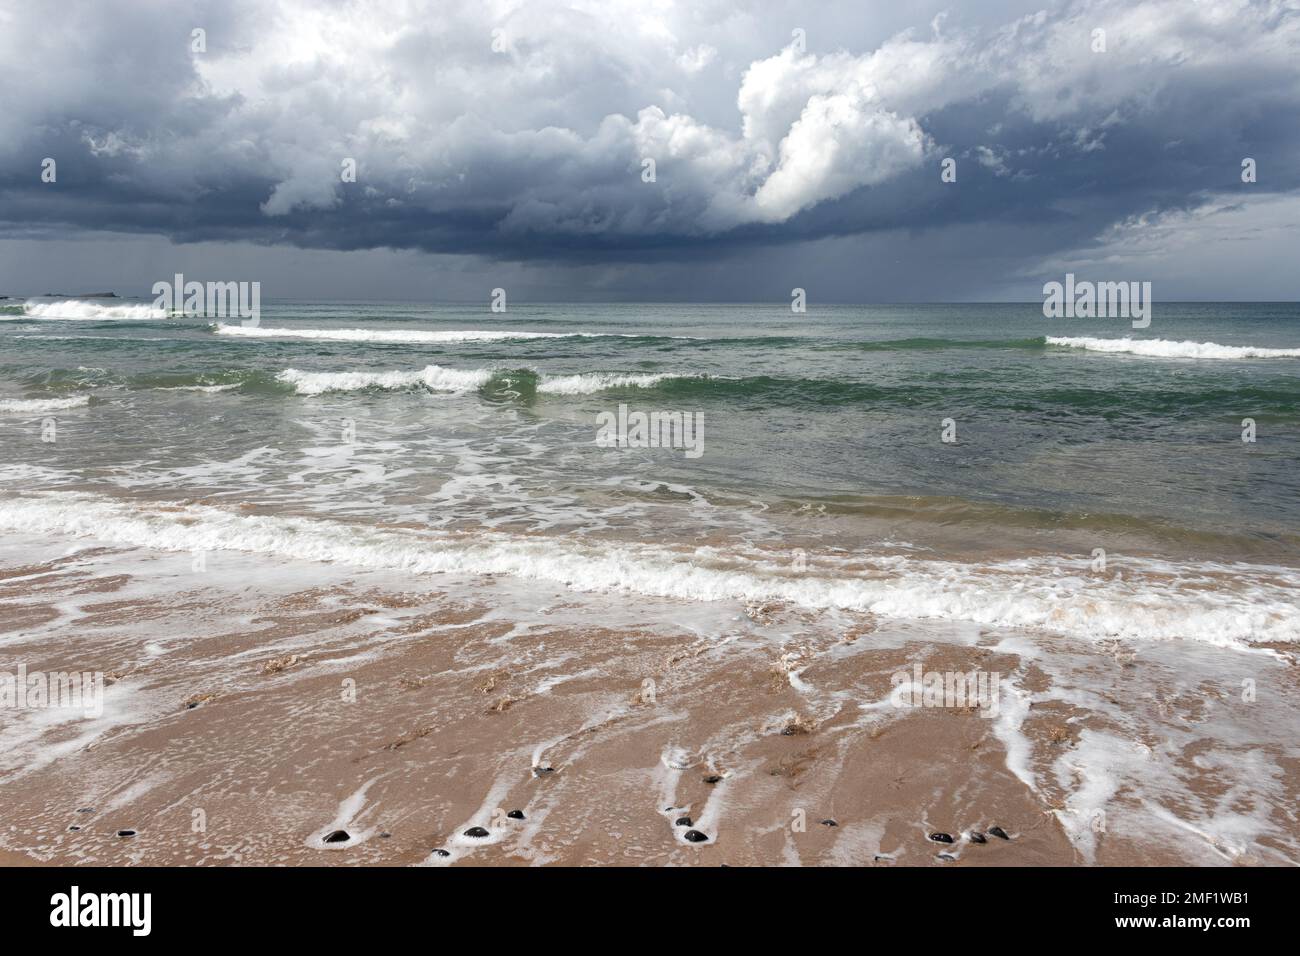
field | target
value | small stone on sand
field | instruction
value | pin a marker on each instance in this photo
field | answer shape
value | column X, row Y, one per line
column 941, row 837
column 477, row 833
column 694, row 836
column 682, row 822
column 338, row 836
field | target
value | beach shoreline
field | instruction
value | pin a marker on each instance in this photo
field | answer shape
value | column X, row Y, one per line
column 248, row 719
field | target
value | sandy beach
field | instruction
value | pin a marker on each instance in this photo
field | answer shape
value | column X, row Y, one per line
column 247, row 722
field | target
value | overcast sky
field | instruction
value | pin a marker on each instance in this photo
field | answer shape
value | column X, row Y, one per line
column 794, row 144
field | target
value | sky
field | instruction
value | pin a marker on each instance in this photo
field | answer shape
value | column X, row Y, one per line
column 629, row 150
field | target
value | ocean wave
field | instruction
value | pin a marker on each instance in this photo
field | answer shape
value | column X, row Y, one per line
column 1229, row 605
column 1167, row 348
column 433, row 377
column 593, row 382
column 79, row 310
column 210, row 389
column 414, row 336
column 519, row 382
column 44, row 404
column 938, row 345
column 1269, row 396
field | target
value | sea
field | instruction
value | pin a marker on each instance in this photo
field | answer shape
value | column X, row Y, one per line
column 1110, row 515
column 928, row 461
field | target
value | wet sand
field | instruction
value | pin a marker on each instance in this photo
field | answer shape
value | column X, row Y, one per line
column 250, row 717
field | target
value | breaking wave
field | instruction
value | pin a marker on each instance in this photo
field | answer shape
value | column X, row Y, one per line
column 43, row 404
column 1230, row 605
column 79, row 310
column 1167, row 348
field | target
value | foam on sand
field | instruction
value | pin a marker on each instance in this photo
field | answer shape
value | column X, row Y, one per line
column 1228, row 605
column 79, row 310
column 44, row 404
column 1166, row 348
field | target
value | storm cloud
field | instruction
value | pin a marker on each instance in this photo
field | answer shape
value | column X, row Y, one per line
column 525, row 131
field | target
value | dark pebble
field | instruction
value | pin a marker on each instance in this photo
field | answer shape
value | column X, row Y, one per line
column 683, row 822
column 542, row 771
column 516, row 814
column 441, row 852
column 385, row 836
column 978, row 837
column 941, row 837
column 947, row 856
column 1000, row 833
column 713, row 778
column 86, row 810
column 74, row 828
column 477, row 833
column 126, row 833
column 338, row 836
column 829, row 823
column 695, row 836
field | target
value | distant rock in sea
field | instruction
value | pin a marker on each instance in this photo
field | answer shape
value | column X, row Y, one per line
column 83, row 295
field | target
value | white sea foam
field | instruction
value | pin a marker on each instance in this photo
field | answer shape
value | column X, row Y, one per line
column 598, row 382
column 43, row 404
column 1166, row 348
column 433, row 377
column 200, row 388
column 79, row 310
column 440, row 379
column 1225, row 605
column 415, row 336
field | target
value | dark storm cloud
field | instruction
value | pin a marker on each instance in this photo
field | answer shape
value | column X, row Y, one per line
column 534, row 149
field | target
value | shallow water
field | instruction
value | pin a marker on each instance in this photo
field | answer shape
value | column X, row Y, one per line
column 821, row 434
